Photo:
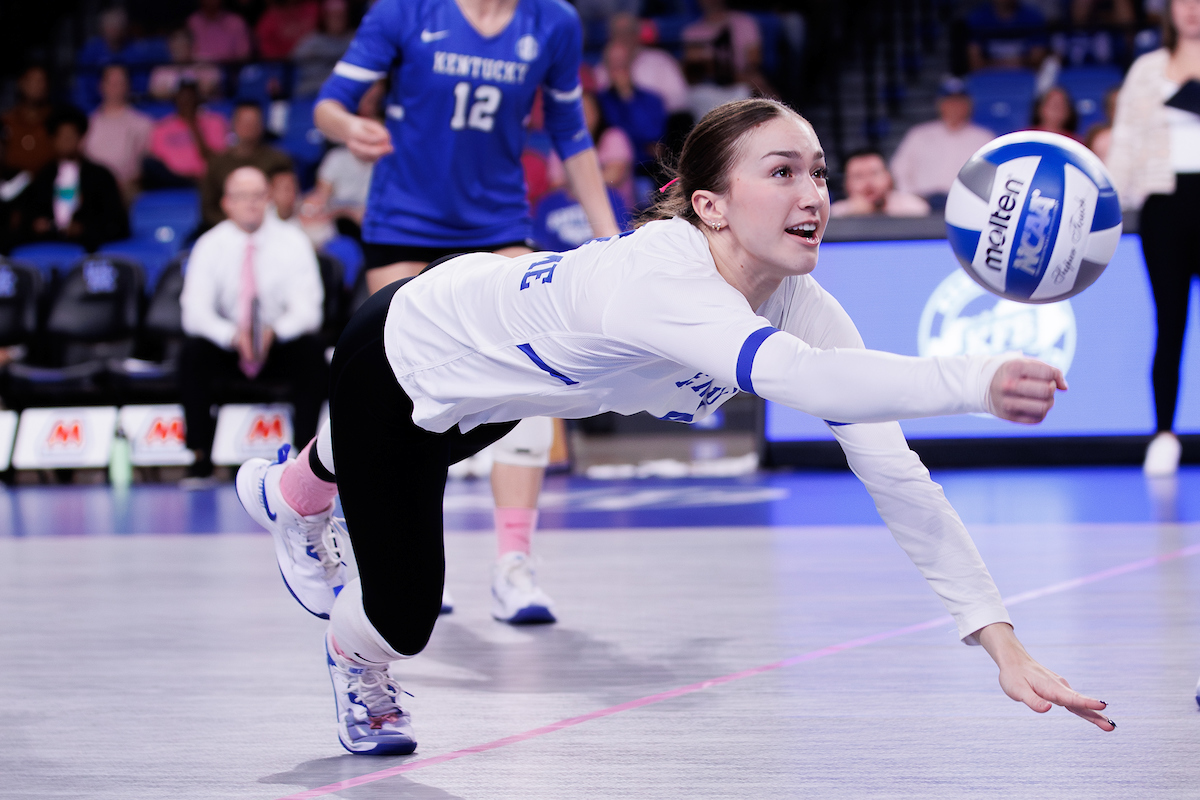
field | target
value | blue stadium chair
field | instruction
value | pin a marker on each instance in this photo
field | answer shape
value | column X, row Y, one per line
column 347, row 250
column 49, row 257
column 302, row 141
column 153, row 256
column 1087, row 86
column 254, row 81
column 1003, row 98
column 155, row 109
column 166, row 216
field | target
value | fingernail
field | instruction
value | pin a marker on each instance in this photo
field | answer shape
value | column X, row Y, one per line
column 1105, row 704
column 1110, row 722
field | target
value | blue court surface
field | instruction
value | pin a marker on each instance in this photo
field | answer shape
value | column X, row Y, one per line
column 758, row 637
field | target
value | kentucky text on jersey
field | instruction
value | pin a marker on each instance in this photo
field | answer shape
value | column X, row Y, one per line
column 487, row 69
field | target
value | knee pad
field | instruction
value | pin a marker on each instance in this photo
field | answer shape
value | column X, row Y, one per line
column 527, row 445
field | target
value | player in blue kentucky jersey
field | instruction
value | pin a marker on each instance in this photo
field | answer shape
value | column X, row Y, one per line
column 464, row 75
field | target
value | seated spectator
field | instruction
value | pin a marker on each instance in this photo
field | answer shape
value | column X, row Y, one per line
column 1006, row 34
column 248, row 150
column 1099, row 137
column 12, row 183
column 23, row 126
column 166, row 78
column 283, row 186
column 72, row 199
column 931, row 154
column 653, row 70
column 614, row 150
column 870, row 191
column 283, row 25
column 318, row 53
column 182, row 143
column 640, row 114
column 251, row 302
column 559, row 221
column 111, row 45
column 721, row 57
column 218, row 35
column 1054, row 112
column 118, row 135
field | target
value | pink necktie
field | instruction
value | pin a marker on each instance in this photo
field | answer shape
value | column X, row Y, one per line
column 247, row 293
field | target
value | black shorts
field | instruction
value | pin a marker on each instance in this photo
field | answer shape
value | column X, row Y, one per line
column 383, row 255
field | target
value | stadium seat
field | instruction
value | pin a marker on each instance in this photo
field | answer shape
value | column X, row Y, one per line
column 333, row 281
column 347, row 250
column 254, row 81
column 1003, row 98
column 93, row 317
column 20, row 287
column 1087, row 87
column 155, row 109
column 49, row 257
column 154, row 375
column 302, row 141
column 167, row 216
column 152, row 255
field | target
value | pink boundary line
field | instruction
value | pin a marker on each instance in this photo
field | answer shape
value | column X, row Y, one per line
column 812, row 655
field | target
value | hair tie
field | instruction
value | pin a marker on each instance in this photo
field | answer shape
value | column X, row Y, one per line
column 667, row 185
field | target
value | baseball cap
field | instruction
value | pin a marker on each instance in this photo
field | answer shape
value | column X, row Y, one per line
column 952, row 85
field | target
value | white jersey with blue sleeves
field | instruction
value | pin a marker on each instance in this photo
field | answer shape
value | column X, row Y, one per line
column 644, row 322
column 457, row 110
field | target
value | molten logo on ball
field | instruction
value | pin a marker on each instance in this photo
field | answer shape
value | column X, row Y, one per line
column 1033, row 217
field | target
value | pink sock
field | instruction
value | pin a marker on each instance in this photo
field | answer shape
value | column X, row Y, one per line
column 302, row 489
column 514, row 528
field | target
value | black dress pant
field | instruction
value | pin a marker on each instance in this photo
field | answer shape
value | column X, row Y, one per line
column 391, row 476
column 1171, row 245
column 206, row 373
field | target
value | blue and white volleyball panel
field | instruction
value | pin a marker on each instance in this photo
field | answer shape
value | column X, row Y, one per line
column 1033, row 217
column 912, row 298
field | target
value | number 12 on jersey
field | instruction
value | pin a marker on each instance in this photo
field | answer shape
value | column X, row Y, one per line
column 481, row 112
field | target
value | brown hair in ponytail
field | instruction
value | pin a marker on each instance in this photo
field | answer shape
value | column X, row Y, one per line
column 708, row 155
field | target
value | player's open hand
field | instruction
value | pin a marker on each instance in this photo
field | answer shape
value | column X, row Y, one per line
column 1028, row 682
column 368, row 139
column 1023, row 390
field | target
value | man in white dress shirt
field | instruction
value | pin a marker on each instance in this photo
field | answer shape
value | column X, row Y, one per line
column 251, row 304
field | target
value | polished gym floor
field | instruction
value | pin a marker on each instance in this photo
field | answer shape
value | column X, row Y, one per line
column 756, row 637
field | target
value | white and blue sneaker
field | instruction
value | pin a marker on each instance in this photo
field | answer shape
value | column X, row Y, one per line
column 369, row 720
column 516, row 598
column 307, row 548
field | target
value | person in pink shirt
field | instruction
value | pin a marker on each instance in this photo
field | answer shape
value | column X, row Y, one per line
column 182, row 143
column 118, row 135
column 931, row 154
column 869, row 190
column 218, row 35
column 283, row 25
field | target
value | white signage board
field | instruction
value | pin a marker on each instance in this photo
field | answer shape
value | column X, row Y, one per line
column 246, row 431
column 156, row 435
column 65, row 438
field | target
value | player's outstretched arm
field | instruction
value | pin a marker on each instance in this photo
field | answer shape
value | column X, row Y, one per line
column 367, row 138
column 1028, row 682
column 1023, row 390
column 586, row 181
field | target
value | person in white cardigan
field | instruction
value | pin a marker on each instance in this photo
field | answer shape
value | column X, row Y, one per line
column 1155, row 163
column 252, row 306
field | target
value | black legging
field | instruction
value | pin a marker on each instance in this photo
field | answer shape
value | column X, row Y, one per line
column 1170, row 232
column 391, row 475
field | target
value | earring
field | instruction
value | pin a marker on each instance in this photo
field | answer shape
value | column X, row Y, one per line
column 716, row 226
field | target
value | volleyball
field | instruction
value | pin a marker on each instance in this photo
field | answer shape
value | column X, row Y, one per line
column 1033, row 217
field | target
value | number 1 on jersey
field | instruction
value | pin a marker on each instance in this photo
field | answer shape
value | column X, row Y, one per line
column 480, row 115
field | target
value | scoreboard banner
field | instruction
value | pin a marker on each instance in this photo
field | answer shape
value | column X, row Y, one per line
column 246, row 431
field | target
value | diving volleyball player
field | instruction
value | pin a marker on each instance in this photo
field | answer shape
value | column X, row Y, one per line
column 464, row 75
column 711, row 298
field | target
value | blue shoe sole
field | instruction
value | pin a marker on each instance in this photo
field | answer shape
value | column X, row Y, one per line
column 383, row 749
column 532, row 615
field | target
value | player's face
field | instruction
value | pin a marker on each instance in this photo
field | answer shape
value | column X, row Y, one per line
column 777, row 204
